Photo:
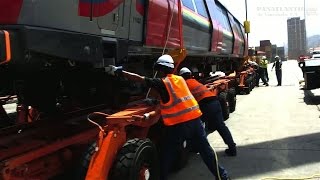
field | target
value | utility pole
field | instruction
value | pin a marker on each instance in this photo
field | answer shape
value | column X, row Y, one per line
column 305, row 26
column 247, row 20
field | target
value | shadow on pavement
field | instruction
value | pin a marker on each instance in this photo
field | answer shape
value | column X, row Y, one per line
column 262, row 158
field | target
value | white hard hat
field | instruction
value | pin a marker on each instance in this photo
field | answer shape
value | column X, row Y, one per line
column 264, row 57
column 277, row 57
column 184, row 70
column 166, row 60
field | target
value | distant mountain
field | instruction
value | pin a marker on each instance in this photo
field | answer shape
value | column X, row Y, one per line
column 314, row 41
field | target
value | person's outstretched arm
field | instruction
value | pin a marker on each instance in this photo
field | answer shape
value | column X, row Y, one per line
column 133, row 76
column 116, row 71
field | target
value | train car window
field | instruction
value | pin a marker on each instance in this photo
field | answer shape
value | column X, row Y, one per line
column 226, row 21
column 223, row 19
column 238, row 29
column 234, row 25
column 201, row 8
column 188, row 4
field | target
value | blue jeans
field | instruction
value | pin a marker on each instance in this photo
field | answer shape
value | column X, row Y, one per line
column 176, row 135
column 212, row 115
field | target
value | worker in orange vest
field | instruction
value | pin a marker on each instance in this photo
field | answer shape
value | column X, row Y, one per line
column 181, row 116
column 211, row 109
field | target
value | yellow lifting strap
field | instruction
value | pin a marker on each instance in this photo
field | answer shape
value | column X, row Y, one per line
column 178, row 56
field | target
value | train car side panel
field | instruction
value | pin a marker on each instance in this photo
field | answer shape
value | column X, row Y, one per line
column 196, row 27
column 159, row 18
column 246, row 46
column 222, row 37
column 237, row 38
column 222, row 18
column 211, row 6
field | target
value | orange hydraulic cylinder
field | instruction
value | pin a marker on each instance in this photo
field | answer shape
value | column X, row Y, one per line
column 102, row 160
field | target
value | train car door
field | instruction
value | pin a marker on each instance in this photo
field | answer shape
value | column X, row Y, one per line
column 113, row 11
column 137, row 19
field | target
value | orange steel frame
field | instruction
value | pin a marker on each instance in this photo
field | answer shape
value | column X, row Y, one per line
column 218, row 86
column 113, row 136
column 37, row 158
column 7, row 47
column 222, row 84
column 243, row 76
column 44, row 149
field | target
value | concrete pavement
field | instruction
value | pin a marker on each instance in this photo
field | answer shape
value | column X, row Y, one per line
column 277, row 132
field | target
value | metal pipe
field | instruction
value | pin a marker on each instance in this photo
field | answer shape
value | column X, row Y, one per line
column 246, row 20
column 246, row 10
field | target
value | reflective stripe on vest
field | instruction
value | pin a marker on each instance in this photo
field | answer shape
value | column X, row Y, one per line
column 198, row 90
column 182, row 106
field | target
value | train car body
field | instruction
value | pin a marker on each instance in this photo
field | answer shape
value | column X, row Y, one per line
column 58, row 49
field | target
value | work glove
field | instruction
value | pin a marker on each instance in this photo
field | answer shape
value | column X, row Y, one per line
column 113, row 70
column 144, row 117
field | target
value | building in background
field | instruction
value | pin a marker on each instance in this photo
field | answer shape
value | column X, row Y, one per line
column 274, row 51
column 270, row 50
column 296, row 37
column 281, row 53
column 265, row 46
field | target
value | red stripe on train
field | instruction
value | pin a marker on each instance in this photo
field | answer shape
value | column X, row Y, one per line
column 98, row 9
column 10, row 11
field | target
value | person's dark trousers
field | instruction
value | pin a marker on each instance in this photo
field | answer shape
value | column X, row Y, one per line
column 266, row 74
column 279, row 76
column 257, row 78
column 212, row 114
column 261, row 76
column 174, row 138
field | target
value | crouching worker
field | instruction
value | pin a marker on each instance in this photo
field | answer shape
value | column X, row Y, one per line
column 180, row 114
column 211, row 109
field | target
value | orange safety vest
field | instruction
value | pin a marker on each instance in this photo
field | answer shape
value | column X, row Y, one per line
column 198, row 90
column 182, row 106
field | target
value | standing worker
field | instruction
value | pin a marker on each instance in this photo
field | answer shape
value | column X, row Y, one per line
column 260, row 73
column 211, row 110
column 278, row 65
column 264, row 66
column 181, row 116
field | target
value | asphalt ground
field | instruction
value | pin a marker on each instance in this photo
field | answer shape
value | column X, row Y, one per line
column 276, row 129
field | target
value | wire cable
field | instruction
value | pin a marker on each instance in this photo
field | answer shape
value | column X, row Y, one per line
column 167, row 39
column 99, row 126
column 217, row 164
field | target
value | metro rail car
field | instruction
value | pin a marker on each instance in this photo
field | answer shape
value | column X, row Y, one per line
column 53, row 53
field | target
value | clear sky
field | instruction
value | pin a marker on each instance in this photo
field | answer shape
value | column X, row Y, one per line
column 268, row 18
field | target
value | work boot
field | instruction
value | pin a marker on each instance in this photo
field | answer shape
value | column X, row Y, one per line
column 231, row 151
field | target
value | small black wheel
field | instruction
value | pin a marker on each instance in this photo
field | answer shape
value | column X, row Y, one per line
column 248, row 86
column 232, row 99
column 82, row 169
column 224, row 105
column 136, row 160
